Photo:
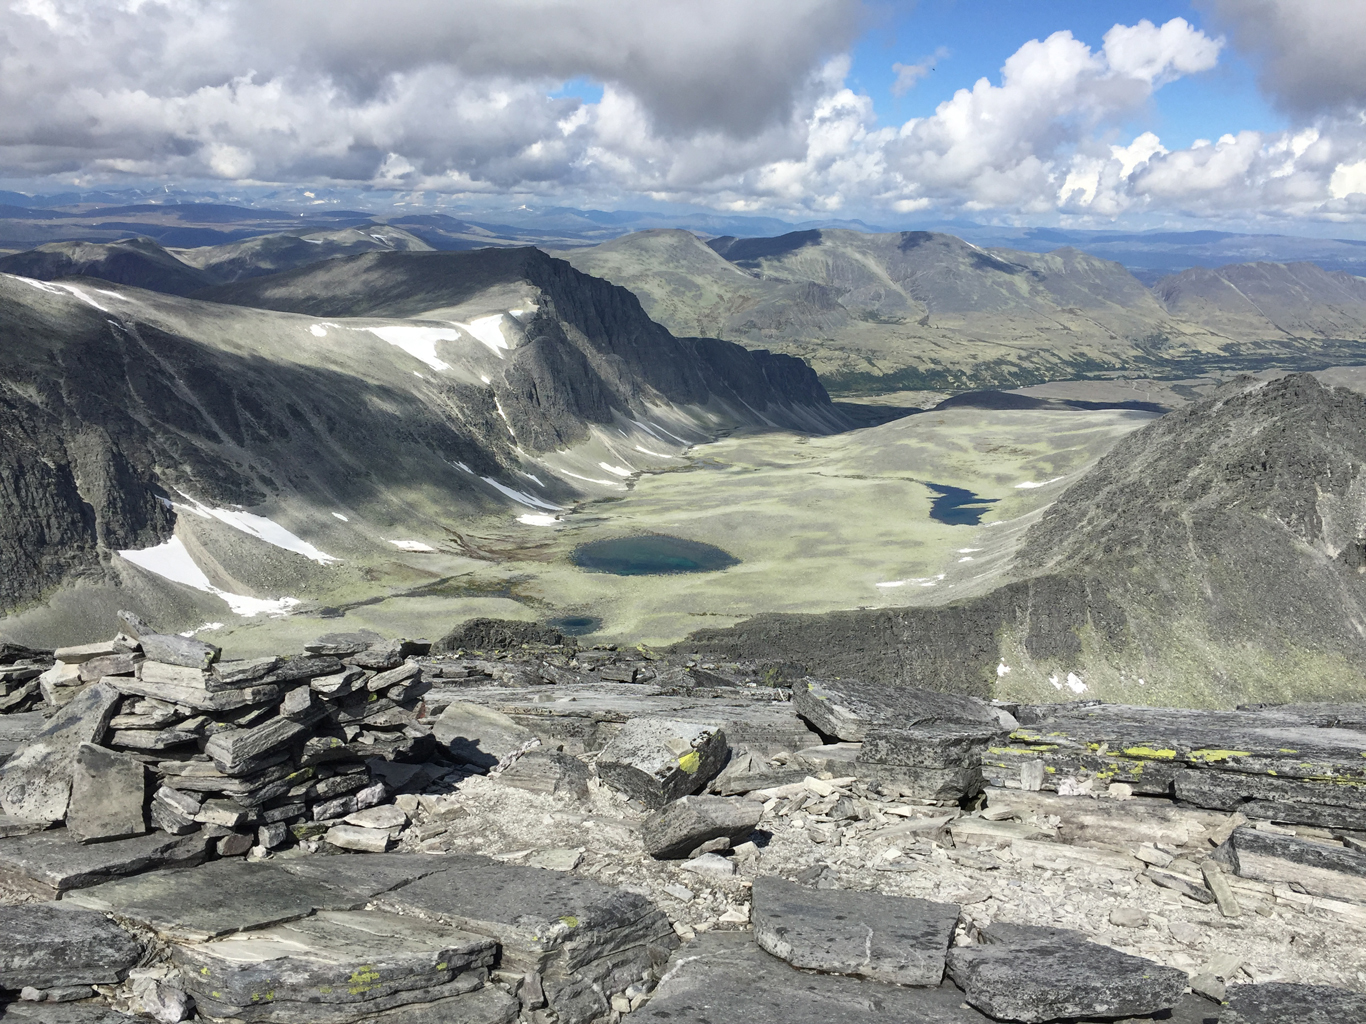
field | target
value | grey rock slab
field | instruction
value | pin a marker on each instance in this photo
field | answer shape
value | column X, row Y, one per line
column 940, row 784
column 108, row 791
column 65, row 1013
column 334, row 965
column 747, row 772
column 55, row 862
column 548, row 771
column 219, row 898
column 488, row 1005
column 899, row 940
column 354, row 837
column 47, row 945
column 1031, row 974
column 724, row 977
column 229, row 675
column 656, row 760
column 35, row 784
column 193, row 694
column 1276, row 799
column 234, row 749
column 17, row 730
column 478, row 735
column 359, row 879
column 932, row 745
column 541, row 918
column 170, row 649
column 1284, row 1003
column 848, row 708
column 680, row 827
column 1316, row 868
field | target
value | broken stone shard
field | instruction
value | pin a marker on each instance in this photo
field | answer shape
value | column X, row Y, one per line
column 54, row 862
column 170, row 649
column 548, row 771
column 656, row 760
column 35, row 784
column 107, row 795
column 680, row 827
column 1035, row 974
column 893, row 939
column 355, row 837
column 49, row 945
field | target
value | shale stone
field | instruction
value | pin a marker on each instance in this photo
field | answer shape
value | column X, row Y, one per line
column 1318, row 869
column 53, row 862
column 170, row 649
column 36, row 782
column 1282, row 1003
column 479, row 735
column 107, row 795
column 64, row 1013
column 332, row 967
column 848, row 708
column 47, row 945
column 680, row 827
column 657, row 760
column 548, row 771
column 1032, row 974
column 726, row 977
column 893, row 939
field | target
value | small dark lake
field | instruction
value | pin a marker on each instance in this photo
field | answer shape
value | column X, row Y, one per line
column 576, row 625
column 651, row 554
column 958, row 506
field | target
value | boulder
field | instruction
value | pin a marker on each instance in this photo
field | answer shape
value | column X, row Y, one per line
column 333, row 967
column 724, row 976
column 1035, row 974
column 1315, row 868
column 108, row 791
column 680, row 827
column 548, row 771
column 1283, row 1003
column 479, row 735
column 170, row 649
column 36, row 782
column 656, row 760
column 588, row 941
column 894, row 939
column 49, row 945
column 848, row 709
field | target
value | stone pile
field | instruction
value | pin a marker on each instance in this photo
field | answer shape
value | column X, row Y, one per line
column 21, row 669
column 156, row 732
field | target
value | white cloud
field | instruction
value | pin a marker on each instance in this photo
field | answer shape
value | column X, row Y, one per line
column 907, row 75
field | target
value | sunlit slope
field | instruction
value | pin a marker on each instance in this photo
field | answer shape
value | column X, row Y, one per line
column 880, row 312
column 136, row 415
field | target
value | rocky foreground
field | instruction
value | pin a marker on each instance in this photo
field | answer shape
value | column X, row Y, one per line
column 398, row 831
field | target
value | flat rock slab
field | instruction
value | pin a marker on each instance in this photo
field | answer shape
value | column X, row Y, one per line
column 1274, row 798
column 478, row 735
column 548, row 771
column 35, row 784
column 893, row 939
column 1282, row 1003
column 65, row 1013
column 331, row 967
column 16, row 730
column 724, row 977
column 362, row 878
column 217, row 899
column 1318, row 869
column 680, row 827
column 488, row 1005
column 588, row 940
column 55, row 862
column 107, row 795
column 1030, row 974
column 47, row 945
column 656, row 760
column 848, row 708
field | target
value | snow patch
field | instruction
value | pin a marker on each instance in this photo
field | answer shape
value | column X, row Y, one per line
column 617, row 470
column 418, row 342
column 965, row 558
column 1073, row 683
column 171, row 561
column 1029, row 485
column 521, row 497
column 537, row 519
column 593, row 480
column 922, row 581
column 413, row 545
column 1002, row 670
column 207, row 627
column 656, row 455
column 489, row 330
column 259, row 527
column 338, row 515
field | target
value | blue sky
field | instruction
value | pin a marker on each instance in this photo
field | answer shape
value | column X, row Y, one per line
column 980, row 34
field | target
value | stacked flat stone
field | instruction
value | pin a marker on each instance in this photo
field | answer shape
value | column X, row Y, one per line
column 1297, row 763
column 162, row 734
column 20, row 671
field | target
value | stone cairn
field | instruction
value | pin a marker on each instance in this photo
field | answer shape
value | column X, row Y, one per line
column 163, row 733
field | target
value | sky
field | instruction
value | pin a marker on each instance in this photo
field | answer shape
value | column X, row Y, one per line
column 1243, row 114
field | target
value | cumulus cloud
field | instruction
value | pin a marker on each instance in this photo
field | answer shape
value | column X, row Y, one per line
column 907, row 75
column 734, row 106
column 1310, row 51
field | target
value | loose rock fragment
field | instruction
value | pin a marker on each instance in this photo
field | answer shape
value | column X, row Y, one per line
column 680, row 827
column 893, row 939
column 47, row 945
column 656, row 760
column 479, row 735
column 107, row 795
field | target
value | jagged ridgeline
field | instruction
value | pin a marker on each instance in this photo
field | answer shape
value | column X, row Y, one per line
column 1211, row 558
column 434, row 386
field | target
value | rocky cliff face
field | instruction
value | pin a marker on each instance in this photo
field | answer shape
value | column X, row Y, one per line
column 1212, row 558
